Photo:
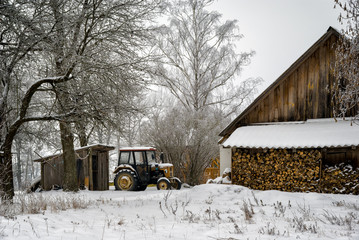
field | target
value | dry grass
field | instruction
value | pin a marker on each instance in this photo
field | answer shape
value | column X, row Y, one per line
column 37, row 203
column 348, row 220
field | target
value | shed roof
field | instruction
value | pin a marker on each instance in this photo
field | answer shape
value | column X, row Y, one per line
column 98, row 147
column 314, row 133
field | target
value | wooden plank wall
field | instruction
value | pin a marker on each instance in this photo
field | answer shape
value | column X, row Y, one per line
column 335, row 156
column 53, row 173
column 303, row 94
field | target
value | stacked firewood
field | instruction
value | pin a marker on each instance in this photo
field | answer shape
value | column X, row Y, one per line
column 340, row 179
column 292, row 171
column 279, row 169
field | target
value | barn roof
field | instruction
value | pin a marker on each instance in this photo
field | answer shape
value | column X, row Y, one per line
column 235, row 123
column 98, row 147
column 314, row 133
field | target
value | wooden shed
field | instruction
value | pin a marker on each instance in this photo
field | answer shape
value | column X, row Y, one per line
column 289, row 123
column 92, row 167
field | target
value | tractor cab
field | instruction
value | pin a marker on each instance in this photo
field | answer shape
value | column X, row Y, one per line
column 138, row 167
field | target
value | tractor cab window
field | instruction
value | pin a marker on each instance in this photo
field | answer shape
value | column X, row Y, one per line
column 140, row 158
column 124, row 156
column 151, row 157
column 132, row 160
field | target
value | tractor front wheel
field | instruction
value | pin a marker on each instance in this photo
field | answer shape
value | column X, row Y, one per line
column 126, row 180
column 163, row 184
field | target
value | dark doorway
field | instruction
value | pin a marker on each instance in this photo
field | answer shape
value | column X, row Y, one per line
column 94, row 172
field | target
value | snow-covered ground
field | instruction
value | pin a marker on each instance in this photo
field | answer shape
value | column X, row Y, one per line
column 208, row 211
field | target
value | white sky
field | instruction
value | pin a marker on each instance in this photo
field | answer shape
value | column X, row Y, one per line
column 279, row 31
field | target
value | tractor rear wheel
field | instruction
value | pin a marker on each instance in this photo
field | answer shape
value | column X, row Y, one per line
column 126, row 180
column 163, row 184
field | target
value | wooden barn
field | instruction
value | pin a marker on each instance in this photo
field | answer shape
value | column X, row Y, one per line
column 287, row 138
column 92, row 167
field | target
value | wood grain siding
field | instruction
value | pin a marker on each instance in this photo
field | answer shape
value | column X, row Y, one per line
column 276, row 103
column 335, row 156
column 300, row 96
column 272, row 107
column 281, row 103
column 285, row 100
column 292, row 96
column 300, row 93
column 323, row 82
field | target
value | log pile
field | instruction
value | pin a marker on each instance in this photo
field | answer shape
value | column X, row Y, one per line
column 340, row 179
column 285, row 170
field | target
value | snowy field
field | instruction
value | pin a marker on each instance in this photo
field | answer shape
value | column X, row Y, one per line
column 202, row 212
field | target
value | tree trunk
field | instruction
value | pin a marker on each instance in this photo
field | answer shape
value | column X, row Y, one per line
column 99, row 135
column 81, row 132
column 6, row 178
column 67, row 138
column 67, row 141
column 6, row 175
column 18, row 164
column 26, row 175
column 108, row 137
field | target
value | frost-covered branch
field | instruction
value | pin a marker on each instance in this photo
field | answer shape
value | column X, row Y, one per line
column 198, row 55
column 346, row 68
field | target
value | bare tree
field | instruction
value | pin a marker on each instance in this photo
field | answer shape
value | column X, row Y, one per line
column 74, row 40
column 20, row 38
column 199, row 65
column 188, row 139
column 199, row 58
column 346, row 70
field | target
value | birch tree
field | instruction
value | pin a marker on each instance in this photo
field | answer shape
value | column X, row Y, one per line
column 199, row 66
column 199, row 60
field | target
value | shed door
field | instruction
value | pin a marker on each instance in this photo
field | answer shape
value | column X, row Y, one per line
column 95, row 172
column 102, row 174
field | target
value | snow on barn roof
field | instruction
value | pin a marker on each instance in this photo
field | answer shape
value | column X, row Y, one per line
column 97, row 146
column 314, row 133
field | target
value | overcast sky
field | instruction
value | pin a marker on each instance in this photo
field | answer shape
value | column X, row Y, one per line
column 279, row 31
